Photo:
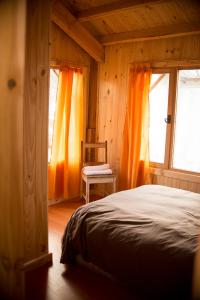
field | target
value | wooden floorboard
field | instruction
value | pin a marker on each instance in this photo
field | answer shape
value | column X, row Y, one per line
column 59, row 282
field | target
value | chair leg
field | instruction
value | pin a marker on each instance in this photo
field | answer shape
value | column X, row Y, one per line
column 81, row 189
column 114, row 185
column 87, row 192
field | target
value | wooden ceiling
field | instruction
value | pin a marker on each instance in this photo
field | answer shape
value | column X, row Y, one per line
column 114, row 21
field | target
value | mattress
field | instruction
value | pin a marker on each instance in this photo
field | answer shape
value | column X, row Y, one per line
column 144, row 237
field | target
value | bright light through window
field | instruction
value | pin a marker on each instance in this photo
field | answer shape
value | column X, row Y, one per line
column 52, row 106
column 158, row 98
column 187, row 123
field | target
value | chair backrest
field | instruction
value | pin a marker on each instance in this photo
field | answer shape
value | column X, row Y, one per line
column 90, row 153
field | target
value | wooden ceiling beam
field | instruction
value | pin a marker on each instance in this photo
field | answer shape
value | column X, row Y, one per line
column 152, row 33
column 62, row 17
column 113, row 8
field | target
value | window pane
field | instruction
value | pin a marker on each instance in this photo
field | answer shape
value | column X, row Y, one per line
column 187, row 124
column 158, row 98
column 52, row 105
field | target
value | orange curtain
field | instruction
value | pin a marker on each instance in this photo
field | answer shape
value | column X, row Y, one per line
column 64, row 166
column 134, row 162
column 75, row 135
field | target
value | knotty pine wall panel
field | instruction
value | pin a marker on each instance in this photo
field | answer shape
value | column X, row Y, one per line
column 24, row 28
column 113, row 86
column 177, row 183
column 12, row 25
column 64, row 49
column 35, row 129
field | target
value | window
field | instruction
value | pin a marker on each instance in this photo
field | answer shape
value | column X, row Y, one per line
column 174, row 134
column 53, row 87
column 158, row 110
column 186, row 154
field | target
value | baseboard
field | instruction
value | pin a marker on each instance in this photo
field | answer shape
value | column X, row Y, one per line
column 56, row 201
column 37, row 262
column 52, row 202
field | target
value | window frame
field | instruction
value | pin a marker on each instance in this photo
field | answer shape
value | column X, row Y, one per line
column 56, row 70
column 170, row 132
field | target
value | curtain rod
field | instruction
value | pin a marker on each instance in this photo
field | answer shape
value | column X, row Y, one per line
column 171, row 63
column 55, row 63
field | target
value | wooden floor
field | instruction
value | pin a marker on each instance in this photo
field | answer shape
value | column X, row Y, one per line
column 59, row 282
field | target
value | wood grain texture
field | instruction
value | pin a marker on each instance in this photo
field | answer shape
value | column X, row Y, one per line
column 24, row 115
column 152, row 15
column 178, row 183
column 71, row 26
column 35, row 130
column 154, row 33
column 64, row 49
column 92, row 104
column 113, row 7
column 12, row 61
column 113, row 85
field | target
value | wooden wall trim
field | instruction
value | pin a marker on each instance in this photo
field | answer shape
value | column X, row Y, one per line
column 168, row 65
column 187, row 63
column 57, row 63
column 176, row 175
column 37, row 262
column 92, row 103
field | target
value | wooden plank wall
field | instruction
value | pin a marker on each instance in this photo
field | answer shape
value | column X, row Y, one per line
column 188, row 184
column 64, row 50
column 12, row 32
column 92, row 102
column 113, row 81
column 24, row 29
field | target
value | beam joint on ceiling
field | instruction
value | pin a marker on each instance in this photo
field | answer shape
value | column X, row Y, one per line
column 62, row 17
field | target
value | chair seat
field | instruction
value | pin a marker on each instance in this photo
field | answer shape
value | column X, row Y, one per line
column 102, row 178
column 99, row 175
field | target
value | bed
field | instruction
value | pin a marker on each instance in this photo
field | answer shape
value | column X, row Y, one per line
column 145, row 238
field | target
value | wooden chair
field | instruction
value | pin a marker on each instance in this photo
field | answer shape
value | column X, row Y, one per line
column 89, row 157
